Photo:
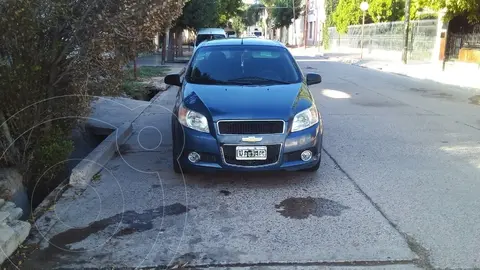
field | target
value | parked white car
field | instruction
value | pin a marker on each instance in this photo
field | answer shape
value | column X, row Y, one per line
column 209, row 34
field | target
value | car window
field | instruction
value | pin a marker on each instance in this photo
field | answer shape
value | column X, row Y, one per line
column 202, row 37
column 243, row 65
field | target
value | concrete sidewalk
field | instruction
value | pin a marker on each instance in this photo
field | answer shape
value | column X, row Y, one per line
column 457, row 74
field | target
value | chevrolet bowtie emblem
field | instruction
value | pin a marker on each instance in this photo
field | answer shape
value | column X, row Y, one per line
column 251, row 139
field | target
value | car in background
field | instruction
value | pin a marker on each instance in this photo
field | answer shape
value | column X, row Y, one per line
column 244, row 105
column 208, row 34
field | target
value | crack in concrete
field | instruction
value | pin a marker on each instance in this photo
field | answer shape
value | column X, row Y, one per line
column 283, row 264
column 423, row 260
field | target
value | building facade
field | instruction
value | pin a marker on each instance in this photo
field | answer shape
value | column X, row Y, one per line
column 316, row 18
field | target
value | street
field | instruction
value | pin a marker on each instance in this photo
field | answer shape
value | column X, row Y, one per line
column 398, row 188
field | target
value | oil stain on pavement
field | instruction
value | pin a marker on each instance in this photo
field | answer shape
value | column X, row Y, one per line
column 302, row 208
column 131, row 221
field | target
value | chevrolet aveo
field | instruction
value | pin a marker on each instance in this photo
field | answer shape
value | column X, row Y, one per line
column 244, row 105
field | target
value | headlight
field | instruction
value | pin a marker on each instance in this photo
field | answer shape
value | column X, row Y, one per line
column 305, row 119
column 192, row 119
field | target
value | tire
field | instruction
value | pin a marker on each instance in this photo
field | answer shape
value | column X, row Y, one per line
column 176, row 166
column 175, row 151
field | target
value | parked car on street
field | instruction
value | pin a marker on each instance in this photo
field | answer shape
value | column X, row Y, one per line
column 205, row 34
column 244, row 105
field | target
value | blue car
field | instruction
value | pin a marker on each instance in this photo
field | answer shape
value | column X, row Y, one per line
column 244, row 105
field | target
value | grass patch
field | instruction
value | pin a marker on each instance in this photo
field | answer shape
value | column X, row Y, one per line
column 137, row 89
column 147, row 72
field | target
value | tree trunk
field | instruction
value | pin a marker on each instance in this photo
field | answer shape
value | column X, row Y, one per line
column 134, row 62
column 171, row 46
column 179, row 42
column 164, row 48
column 135, row 76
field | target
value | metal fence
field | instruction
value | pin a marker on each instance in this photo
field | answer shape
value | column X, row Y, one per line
column 458, row 41
column 389, row 37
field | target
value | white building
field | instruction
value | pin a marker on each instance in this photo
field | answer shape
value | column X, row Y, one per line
column 316, row 18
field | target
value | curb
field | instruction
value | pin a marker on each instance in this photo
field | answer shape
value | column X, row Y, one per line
column 181, row 72
column 82, row 173
column 93, row 163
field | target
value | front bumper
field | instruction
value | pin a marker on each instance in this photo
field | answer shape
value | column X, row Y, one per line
column 215, row 150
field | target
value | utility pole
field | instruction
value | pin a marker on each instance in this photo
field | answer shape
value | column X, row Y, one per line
column 305, row 29
column 406, row 30
column 294, row 25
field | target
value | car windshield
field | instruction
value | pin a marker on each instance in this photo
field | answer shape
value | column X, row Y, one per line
column 202, row 37
column 243, row 65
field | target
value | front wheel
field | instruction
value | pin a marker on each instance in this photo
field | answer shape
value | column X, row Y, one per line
column 175, row 150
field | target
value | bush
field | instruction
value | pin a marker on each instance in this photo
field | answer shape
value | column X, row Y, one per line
column 54, row 56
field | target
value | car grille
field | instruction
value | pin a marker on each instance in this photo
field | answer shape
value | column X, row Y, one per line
column 229, row 153
column 250, row 127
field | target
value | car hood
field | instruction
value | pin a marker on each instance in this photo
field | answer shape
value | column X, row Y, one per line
column 247, row 102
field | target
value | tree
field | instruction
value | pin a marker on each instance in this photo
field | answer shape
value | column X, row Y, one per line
column 386, row 10
column 238, row 24
column 252, row 14
column 469, row 8
column 56, row 54
column 228, row 9
column 208, row 13
column 347, row 13
column 282, row 17
column 198, row 14
column 330, row 6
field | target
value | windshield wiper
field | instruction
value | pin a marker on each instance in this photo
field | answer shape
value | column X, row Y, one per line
column 253, row 79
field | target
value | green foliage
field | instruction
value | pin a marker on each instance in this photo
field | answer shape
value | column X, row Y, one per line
column 325, row 37
column 282, row 17
column 50, row 155
column 386, row 10
column 347, row 13
column 330, row 6
column 56, row 54
column 146, row 72
column 137, row 89
column 252, row 14
column 238, row 24
column 228, row 9
column 199, row 14
column 469, row 8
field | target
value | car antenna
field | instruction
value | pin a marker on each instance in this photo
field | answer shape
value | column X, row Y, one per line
column 242, row 42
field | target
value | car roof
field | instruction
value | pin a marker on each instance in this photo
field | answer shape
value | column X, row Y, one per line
column 207, row 31
column 242, row 41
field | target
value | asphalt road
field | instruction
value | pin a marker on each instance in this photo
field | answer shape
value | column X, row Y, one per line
column 398, row 188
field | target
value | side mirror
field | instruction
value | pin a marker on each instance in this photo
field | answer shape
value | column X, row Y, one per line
column 313, row 78
column 173, row 79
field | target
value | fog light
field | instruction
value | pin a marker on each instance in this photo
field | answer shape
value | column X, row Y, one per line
column 306, row 155
column 194, row 157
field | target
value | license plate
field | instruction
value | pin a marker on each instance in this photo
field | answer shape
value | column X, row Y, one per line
column 251, row 152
